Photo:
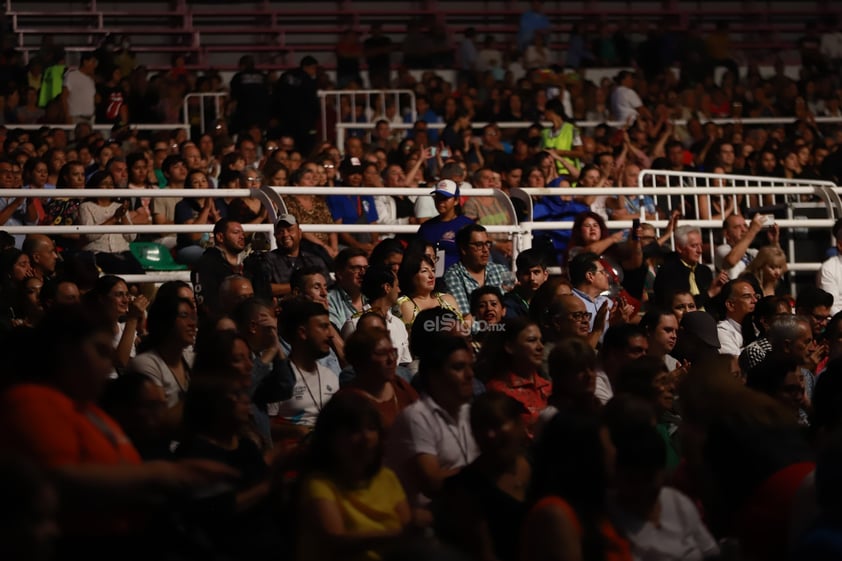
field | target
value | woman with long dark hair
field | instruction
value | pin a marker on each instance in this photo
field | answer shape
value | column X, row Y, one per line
column 569, row 516
column 351, row 506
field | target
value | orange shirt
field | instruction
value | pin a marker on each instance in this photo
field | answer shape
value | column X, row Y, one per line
column 43, row 424
column 617, row 548
column 532, row 394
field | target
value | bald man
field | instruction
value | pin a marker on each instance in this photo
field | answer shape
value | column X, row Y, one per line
column 42, row 255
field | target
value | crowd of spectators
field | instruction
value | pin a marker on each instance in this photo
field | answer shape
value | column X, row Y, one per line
column 370, row 396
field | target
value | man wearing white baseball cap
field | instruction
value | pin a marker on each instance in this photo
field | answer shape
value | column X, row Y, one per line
column 441, row 230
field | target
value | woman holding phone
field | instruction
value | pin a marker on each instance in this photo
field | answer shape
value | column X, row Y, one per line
column 111, row 250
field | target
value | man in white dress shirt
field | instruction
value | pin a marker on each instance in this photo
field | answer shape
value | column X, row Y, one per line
column 740, row 299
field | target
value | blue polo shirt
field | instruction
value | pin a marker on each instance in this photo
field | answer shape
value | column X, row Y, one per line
column 352, row 209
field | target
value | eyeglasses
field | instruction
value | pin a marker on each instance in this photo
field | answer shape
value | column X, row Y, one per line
column 580, row 316
column 481, row 245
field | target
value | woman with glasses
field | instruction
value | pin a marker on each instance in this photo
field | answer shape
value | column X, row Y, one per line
column 417, row 278
column 510, row 362
column 375, row 360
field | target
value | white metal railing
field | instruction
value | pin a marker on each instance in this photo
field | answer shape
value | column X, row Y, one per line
column 520, row 233
column 218, row 108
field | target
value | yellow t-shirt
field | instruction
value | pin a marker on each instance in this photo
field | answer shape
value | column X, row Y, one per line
column 368, row 509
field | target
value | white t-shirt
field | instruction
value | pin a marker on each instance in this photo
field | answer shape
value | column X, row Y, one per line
column 722, row 252
column 312, row 390
column 681, row 534
column 624, row 103
column 425, row 428
column 80, row 102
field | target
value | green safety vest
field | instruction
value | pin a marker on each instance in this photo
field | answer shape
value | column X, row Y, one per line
column 562, row 140
column 51, row 84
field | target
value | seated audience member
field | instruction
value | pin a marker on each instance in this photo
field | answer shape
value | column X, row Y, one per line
column 623, row 344
column 417, row 280
column 488, row 313
column 511, row 364
column 474, row 268
column 217, row 262
column 648, row 378
column 568, row 516
column 767, row 269
column 111, row 250
column 171, row 330
column 697, row 337
column 488, row 211
column 108, row 494
column 766, row 311
column 815, row 304
column 233, row 290
column 659, row 521
column 237, row 518
column 441, row 230
column 431, row 439
column 111, row 296
column 354, row 209
column 684, row 270
column 830, row 274
column 782, row 379
column 481, row 505
column 139, row 406
column 372, row 353
column 306, row 327
column 661, row 330
column 380, row 288
column 42, row 254
column 350, row 505
column 345, row 297
column 531, row 273
column 573, row 368
column 736, row 253
column 754, row 456
column 59, row 291
column 740, row 301
column 272, row 270
column 194, row 211
column 590, row 281
column 680, row 302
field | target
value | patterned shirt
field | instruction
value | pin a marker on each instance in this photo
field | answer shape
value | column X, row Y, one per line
column 461, row 284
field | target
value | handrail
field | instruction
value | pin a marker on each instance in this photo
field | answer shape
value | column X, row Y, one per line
column 201, row 97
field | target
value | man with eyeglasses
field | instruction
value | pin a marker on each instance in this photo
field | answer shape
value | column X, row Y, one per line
column 740, row 298
column 815, row 304
column 474, row 268
column 345, row 298
column 590, row 283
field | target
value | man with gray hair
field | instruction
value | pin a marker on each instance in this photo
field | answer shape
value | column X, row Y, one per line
column 683, row 269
